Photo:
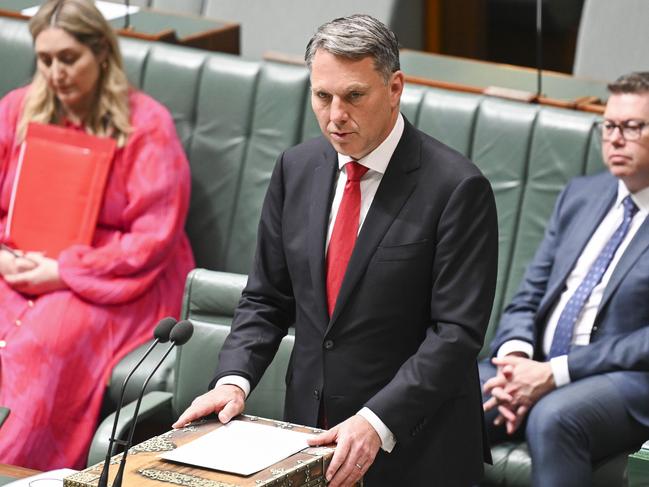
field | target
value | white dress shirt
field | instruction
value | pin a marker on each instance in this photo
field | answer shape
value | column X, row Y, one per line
column 377, row 163
column 584, row 324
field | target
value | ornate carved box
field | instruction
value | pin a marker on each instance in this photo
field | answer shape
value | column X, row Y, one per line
column 145, row 468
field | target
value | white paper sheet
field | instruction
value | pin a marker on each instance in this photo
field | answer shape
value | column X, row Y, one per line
column 240, row 447
column 108, row 9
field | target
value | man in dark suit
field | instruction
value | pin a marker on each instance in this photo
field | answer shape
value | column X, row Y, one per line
column 572, row 349
column 379, row 244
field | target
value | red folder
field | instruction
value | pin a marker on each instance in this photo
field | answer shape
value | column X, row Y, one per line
column 58, row 189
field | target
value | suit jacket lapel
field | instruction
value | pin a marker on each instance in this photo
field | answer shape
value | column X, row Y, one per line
column 638, row 245
column 397, row 184
column 322, row 192
column 576, row 240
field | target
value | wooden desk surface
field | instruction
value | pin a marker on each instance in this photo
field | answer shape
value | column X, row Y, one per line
column 155, row 25
column 475, row 76
column 16, row 472
column 12, row 8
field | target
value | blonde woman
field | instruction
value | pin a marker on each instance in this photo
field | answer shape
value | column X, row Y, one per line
column 64, row 322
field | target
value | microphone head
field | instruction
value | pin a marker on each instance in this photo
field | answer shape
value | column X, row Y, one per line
column 182, row 332
column 163, row 329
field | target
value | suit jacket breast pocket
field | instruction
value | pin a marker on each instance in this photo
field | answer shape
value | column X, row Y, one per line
column 397, row 253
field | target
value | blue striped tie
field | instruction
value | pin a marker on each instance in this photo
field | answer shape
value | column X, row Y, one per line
column 568, row 318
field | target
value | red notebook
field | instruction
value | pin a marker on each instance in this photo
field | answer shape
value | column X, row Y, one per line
column 58, row 189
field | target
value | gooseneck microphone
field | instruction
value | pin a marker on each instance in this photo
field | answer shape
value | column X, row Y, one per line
column 127, row 17
column 180, row 334
column 161, row 334
column 539, row 48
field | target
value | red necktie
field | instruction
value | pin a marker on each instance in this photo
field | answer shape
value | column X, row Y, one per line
column 344, row 233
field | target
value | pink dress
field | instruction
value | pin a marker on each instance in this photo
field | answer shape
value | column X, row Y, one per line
column 57, row 350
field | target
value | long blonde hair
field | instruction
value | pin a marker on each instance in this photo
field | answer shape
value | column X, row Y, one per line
column 109, row 116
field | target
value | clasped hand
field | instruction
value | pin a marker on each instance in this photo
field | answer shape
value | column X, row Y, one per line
column 518, row 385
column 357, row 442
column 30, row 273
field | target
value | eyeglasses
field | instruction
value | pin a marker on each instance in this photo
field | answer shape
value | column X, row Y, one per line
column 630, row 129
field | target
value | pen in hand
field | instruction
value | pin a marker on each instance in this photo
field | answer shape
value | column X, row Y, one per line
column 15, row 254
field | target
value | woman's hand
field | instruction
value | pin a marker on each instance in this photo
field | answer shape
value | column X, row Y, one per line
column 36, row 275
column 14, row 262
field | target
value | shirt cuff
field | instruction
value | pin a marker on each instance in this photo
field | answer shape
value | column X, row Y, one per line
column 560, row 370
column 387, row 438
column 515, row 346
column 235, row 380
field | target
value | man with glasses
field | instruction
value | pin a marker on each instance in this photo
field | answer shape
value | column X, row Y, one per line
column 571, row 356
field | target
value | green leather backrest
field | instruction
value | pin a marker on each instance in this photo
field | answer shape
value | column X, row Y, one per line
column 310, row 128
column 4, row 414
column 201, row 303
column 559, row 152
column 196, row 362
column 209, row 302
column 278, row 109
column 16, row 55
column 450, row 116
column 172, row 76
column 503, row 134
column 411, row 102
column 134, row 54
column 225, row 106
column 594, row 162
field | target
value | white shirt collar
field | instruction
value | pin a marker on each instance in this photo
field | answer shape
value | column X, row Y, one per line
column 378, row 159
column 640, row 198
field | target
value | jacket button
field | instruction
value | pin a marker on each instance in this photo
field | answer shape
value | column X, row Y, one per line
column 329, row 344
column 316, row 395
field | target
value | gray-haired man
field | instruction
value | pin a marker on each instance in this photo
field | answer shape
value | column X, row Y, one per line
column 379, row 245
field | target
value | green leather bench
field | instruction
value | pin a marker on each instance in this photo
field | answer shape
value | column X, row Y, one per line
column 234, row 118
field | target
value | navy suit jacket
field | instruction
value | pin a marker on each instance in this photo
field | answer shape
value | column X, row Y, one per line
column 410, row 316
column 620, row 337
